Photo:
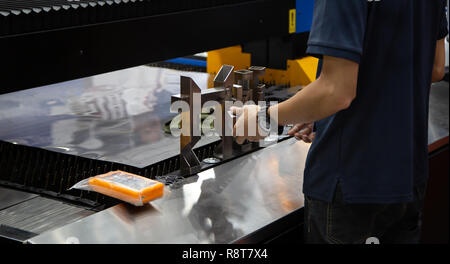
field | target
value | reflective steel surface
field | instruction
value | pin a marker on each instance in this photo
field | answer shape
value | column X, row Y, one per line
column 438, row 112
column 117, row 116
column 10, row 197
column 219, row 205
column 41, row 214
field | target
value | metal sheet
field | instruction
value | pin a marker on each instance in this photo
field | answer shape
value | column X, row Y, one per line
column 41, row 214
column 10, row 197
column 219, row 205
column 117, row 116
column 438, row 114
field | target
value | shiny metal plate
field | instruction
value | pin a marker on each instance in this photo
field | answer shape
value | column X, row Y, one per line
column 219, row 205
column 438, row 112
column 10, row 197
column 117, row 116
column 41, row 214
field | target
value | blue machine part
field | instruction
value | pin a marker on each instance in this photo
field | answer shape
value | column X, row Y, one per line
column 188, row 61
column 304, row 9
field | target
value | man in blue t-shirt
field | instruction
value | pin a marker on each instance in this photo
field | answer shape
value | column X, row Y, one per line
column 367, row 167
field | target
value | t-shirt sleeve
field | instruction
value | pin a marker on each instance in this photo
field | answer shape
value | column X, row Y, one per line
column 443, row 26
column 338, row 29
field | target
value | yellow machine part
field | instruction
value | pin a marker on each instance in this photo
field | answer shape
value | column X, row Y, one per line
column 299, row 72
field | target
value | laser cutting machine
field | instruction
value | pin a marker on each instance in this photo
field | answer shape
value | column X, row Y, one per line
column 86, row 89
column 100, row 77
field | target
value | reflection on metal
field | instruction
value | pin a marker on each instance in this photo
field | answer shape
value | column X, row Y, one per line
column 40, row 214
column 117, row 116
column 438, row 112
column 220, row 205
column 211, row 160
column 11, row 197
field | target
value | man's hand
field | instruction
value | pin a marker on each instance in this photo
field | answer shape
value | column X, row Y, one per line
column 246, row 126
column 303, row 132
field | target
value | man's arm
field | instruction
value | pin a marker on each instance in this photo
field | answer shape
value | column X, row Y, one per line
column 337, row 37
column 439, row 57
column 332, row 92
column 439, row 61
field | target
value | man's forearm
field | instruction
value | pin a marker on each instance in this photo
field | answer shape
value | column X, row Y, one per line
column 439, row 62
column 316, row 101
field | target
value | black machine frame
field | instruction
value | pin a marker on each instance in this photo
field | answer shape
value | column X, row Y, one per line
column 40, row 58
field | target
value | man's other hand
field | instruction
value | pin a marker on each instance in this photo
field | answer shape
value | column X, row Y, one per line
column 303, row 132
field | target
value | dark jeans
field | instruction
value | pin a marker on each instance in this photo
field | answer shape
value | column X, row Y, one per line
column 341, row 223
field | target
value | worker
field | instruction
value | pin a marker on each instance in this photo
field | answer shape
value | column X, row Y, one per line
column 366, row 115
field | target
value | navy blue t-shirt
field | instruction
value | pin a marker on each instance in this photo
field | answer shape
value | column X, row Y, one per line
column 376, row 148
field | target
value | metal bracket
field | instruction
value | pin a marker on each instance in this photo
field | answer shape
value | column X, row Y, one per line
column 225, row 89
